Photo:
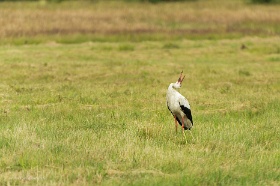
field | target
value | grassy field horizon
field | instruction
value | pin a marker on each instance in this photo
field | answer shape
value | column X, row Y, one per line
column 36, row 22
column 83, row 93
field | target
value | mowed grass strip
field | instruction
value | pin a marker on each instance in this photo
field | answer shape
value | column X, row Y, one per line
column 95, row 113
column 214, row 19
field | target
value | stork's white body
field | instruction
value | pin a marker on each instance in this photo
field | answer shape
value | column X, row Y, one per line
column 179, row 107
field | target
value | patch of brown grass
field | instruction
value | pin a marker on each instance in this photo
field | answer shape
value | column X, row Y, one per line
column 202, row 17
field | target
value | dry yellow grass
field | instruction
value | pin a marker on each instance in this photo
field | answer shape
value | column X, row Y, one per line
column 170, row 18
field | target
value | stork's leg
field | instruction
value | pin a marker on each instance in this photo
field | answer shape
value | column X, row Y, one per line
column 183, row 129
column 191, row 135
column 183, row 124
column 176, row 124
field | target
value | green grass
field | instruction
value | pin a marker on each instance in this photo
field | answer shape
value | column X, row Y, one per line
column 95, row 113
column 82, row 98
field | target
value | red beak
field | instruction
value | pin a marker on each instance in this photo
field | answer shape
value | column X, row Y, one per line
column 180, row 80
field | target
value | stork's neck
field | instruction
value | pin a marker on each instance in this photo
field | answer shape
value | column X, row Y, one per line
column 170, row 88
column 173, row 87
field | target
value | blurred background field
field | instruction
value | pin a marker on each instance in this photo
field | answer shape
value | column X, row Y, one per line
column 83, row 86
column 92, row 20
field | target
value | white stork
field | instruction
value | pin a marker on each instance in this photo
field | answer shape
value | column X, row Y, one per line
column 179, row 106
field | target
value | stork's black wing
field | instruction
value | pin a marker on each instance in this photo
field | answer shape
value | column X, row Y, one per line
column 187, row 111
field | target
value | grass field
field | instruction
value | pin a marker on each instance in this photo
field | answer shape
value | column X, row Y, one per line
column 87, row 107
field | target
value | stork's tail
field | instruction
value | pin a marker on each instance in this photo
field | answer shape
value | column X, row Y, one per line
column 186, row 127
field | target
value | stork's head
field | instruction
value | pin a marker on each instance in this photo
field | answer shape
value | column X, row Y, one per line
column 179, row 82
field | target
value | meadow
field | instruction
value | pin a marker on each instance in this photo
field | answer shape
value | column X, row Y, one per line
column 83, row 89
